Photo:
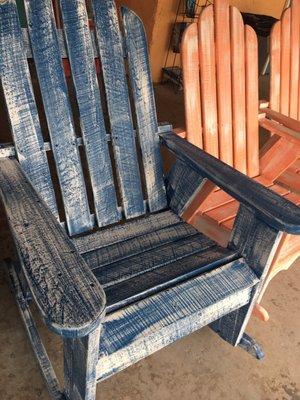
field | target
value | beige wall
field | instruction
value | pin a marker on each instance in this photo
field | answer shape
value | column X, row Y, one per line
column 159, row 15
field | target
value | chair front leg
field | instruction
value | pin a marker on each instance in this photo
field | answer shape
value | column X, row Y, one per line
column 80, row 364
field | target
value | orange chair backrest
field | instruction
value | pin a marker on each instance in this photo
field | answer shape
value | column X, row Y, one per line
column 220, row 70
column 285, row 58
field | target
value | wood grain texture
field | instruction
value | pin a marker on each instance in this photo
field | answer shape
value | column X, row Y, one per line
column 80, row 362
column 67, row 293
column 275, row 65
column 252, row 127
column 123, row 138
column 129, row 230
column 285, row 68
column 224, row 76
column 191, row 82
column 238, row 90
column 45, row 45
column 48, row 372
column 21, row 105
column 145, row 110
column 295, row 59
column 257, row 242
column 81, row 56
column 208, row 81
column 269, row 207
column 151, row 324
column 183, row 185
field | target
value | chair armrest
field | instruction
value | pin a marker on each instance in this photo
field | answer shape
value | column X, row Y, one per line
column 267, row 205
column 65, row 290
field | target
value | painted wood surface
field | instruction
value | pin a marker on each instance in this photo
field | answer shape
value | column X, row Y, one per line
column 270, row 207
column 80, row 362
column 257, row 242
column 43, row 35
column 66, row 291
column 81, row 56
column 123, row 138
column 21, row 106
column 145, row 110
column 151, row 324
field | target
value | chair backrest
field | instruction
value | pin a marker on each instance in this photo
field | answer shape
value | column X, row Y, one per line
column 107, row 144
column 285, row 63
column 220, row 70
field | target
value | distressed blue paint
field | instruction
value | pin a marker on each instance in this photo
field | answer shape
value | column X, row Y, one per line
column 123, row 138
column 93, row 128
column 138, row 330
column 21, row 106
column 45, row 46
column 144, row 102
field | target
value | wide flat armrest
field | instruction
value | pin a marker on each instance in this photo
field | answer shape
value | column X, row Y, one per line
column 268, row 206
column 67, row 293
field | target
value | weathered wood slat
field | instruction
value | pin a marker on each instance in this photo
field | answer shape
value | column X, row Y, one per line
column 238, row 90
column 54, row 90
column 257, row 242
column 191, row 79
column 93, row 128
column 252, row 126
column 224, row 76
column 66, row 291
column 208, row 81
column 21, row 106
column 111, row 51
column 129, row 230
column 145, row 110
column 130, row 247
column 122, row 292
column 147, row 326
column 269, row 206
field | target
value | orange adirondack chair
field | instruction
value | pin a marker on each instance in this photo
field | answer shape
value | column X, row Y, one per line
column 220, row 69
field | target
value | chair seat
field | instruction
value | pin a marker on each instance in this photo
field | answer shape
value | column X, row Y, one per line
column 142, row 257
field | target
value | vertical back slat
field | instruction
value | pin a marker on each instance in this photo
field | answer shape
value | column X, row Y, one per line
column 275, row 62
column 252, row 102
column 45, row 46
column 208, row 81
column 21, row 106
column 111, row 54
column 295, row 55
column 191, row 82
column 81, row 56
column 285, row 61
column 238, row 89
column 222, row 43
column 145, row 110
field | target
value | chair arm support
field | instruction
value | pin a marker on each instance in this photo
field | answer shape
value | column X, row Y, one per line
column 70, row 298
column 267, row 205
column 289, row 122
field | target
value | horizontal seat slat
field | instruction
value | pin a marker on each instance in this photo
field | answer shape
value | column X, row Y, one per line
column 140, row 329
column 125, row 231
column 142, row 285
column 130, row 247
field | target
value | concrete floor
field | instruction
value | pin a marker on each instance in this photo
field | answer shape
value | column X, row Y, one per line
column 200, row 366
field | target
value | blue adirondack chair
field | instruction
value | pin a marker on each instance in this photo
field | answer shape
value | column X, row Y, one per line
column 120, row 276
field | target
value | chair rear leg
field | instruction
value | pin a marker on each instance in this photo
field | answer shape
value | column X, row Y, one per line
column 80, row 364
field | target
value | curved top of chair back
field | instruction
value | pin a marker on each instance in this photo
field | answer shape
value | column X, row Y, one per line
column 220, row 70
column 285, row 59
